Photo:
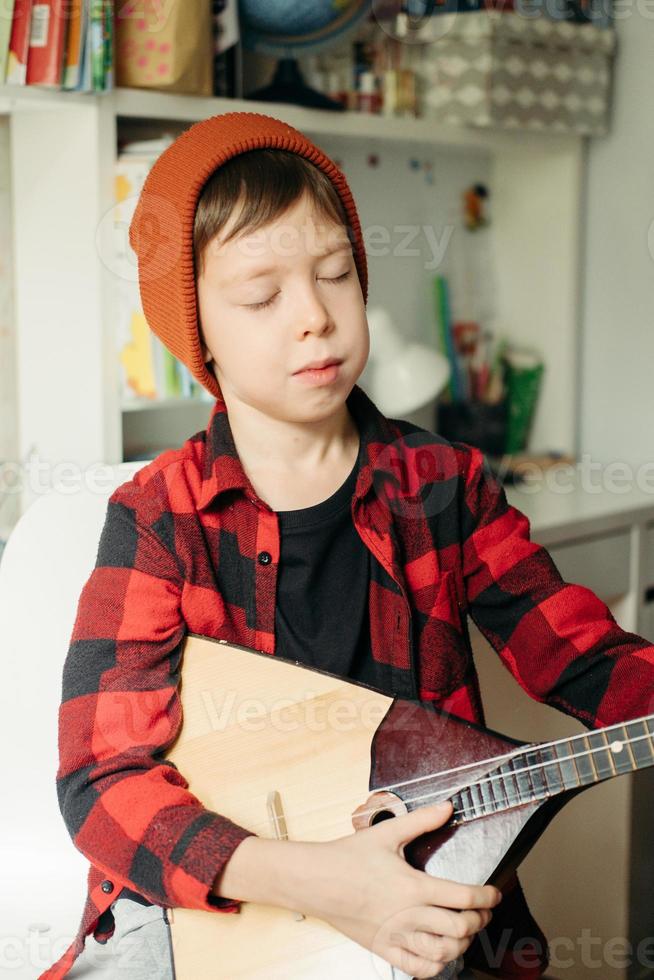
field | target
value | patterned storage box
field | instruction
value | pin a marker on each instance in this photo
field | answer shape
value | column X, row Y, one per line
column 500, row 68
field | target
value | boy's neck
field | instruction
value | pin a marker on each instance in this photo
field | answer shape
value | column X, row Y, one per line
column 292, row 449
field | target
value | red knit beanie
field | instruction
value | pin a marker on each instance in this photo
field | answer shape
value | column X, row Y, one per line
column 161, row 231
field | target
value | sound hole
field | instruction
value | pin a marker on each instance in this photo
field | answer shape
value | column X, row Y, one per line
column 381, row 815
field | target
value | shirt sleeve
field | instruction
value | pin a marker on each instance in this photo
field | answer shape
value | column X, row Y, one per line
column 128, row 810
column 558, row 639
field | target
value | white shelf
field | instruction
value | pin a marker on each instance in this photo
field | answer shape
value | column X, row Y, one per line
column 139, row 103
column 154, row 404
column 132, row 103
column 18, row 97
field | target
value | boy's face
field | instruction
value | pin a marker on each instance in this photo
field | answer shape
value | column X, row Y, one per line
column 314, row 310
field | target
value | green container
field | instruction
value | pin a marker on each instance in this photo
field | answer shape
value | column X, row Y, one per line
column 523, row 372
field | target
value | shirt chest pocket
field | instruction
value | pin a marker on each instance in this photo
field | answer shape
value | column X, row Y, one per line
column 442, row 641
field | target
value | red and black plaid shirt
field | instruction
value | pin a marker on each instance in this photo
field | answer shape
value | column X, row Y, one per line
column 188, row 545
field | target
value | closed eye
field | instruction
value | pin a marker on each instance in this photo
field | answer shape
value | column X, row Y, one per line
column 268, row 302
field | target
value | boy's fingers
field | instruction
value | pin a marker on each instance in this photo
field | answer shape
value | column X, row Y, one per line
column 416, row 966
column 453, row 895
column 446, row 922
column 409, row 826
column 438, row 891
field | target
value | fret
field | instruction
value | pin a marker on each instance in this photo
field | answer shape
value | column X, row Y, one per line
column 487, row 801
column 473, row 801
column 601, row 755
column 477, row 800
column 499, row 789
column 487, row 794
column 621, row 756
column 641, row 745
column 585, row 761
column 551, row 770
column 618, row 754
column 491, row 783
column 459, row 809
column 511, row 784
column 621, row 750
column 564, row 752
column 522, row 777
column 467, row 804
column 534, row 769
column 649, row 725
column 630, row 744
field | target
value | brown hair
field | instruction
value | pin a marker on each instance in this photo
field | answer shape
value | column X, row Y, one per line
column 269, row 181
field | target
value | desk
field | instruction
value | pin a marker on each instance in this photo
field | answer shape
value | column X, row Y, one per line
column 603, row 539
column 589, row 878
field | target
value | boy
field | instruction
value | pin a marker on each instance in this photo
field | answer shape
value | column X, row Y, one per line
column 302, row 522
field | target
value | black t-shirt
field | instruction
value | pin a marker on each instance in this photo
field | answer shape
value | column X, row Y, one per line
column 321, row 608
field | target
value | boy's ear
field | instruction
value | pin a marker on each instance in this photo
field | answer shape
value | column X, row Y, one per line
column 207, row 356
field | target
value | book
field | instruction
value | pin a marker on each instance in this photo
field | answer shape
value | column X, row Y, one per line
column 149, row 370
column 77, row 23
column 136, row 359
column 108, row 45
column 6, row 20
column 85, row 69
column 19, row 43
column 46, row 44
column 97, row 45
column 443, row 318
column 140, row 376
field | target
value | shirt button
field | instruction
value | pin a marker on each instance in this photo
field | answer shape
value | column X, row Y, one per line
column 264, row 557
column 107, row 886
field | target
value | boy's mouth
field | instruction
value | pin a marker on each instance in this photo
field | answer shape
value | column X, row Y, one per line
column 319, row 376
column 319, row 365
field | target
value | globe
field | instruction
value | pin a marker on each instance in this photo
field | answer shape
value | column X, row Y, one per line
column 286, row 29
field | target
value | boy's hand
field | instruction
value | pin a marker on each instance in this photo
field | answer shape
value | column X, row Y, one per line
column 363, row 886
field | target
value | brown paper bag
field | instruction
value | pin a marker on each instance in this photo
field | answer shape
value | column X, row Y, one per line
column 165, row 44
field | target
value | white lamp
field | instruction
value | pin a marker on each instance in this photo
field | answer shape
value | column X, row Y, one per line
column 401, row 375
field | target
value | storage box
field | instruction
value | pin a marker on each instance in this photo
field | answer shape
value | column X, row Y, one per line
column 597, row 12
column 168, row 47
column 501, row 68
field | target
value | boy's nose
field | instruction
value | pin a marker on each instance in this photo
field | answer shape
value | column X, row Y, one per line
column 313, row 315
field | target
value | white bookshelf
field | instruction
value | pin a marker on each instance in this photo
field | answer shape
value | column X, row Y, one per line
column 63, row 149
column 164, row 106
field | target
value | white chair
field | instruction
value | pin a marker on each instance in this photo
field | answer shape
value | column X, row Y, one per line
column 47, row 559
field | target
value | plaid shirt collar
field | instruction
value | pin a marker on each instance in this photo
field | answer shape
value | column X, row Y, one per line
column 222, row 469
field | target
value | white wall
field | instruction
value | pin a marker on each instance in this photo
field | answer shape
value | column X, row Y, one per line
column 8, row 420
column 617, row 344
column 412, row 228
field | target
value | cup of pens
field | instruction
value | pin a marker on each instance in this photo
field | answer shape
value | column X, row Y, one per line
column 476, row 423
column 491, row 397
column 474, row 406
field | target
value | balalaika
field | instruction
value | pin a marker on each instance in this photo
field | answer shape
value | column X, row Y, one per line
column 297, row 753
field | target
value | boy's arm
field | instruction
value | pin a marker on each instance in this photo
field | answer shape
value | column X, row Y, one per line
column 128, row 810
column 560, row 642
